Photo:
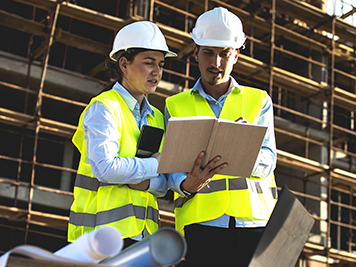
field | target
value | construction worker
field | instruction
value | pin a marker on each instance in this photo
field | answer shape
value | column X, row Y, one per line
column 113, row 187
column 222, row 217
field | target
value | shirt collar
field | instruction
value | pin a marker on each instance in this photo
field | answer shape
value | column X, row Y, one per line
column 131, row 102
column 233, row 87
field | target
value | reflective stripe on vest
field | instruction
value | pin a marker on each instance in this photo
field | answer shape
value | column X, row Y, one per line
column 220, row 185
column 89, row 183
column 108, row 216
column 96, row 203
column 247, row 198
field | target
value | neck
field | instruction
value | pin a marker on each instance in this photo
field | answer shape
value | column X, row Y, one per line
column 216, row 91
column 138, row 96
column 139, row 100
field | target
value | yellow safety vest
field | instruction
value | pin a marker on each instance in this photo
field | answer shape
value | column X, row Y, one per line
column 95, row 203
column 242, row 197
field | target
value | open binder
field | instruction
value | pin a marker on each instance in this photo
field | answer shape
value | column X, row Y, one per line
column 237, row 143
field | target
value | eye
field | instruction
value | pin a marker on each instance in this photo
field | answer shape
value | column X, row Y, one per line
column 208, row 52
column 226, row 54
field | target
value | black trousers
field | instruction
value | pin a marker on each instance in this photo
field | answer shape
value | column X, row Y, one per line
column 220, row 247
column 128, row 242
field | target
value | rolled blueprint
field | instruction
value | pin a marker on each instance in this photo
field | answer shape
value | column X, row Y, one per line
column 166, row 247
column 95, row 246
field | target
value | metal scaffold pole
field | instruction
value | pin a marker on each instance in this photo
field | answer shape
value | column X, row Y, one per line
column 38, row 113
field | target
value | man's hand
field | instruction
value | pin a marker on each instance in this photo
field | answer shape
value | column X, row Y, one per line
column 198, row 177
column 143, row 186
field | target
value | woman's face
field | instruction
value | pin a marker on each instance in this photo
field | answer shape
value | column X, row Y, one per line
column 143, row 74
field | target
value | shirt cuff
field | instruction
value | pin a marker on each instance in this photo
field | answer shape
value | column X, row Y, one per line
column 158, row 186
column 179, row 180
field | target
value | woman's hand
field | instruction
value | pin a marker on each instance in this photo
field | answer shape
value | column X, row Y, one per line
column 157, row 156
column 142, row 186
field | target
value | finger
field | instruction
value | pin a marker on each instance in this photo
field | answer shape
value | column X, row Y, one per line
column 239, row 119
column 198, row 161
column 212, row 163
column 206, row 172
column 215, row 170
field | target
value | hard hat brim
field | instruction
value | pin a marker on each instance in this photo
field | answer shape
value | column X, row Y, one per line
column 217, row 43
column 115, row 54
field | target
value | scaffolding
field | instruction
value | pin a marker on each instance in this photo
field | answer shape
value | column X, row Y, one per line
column 52, row 61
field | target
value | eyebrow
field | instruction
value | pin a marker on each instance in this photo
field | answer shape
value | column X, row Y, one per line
column 151, row 58
column 224, row 50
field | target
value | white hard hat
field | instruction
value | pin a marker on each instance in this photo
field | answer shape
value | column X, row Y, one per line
column 140, row 34
column 219, row 27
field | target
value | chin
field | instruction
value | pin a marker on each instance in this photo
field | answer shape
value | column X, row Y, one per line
column 151, row 90
column 214, row 82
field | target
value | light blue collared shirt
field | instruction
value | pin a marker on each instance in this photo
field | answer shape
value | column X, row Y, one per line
column 266, row 160
column 102, row 135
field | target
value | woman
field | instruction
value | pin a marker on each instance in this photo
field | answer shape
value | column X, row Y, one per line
column 113, row 187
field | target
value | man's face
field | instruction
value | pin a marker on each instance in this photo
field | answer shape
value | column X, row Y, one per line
column 215, row 63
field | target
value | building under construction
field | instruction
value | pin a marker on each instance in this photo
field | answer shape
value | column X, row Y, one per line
column 52, row 61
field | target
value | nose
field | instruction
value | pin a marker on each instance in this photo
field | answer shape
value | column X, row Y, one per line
column 158, row 70
column 216, row 61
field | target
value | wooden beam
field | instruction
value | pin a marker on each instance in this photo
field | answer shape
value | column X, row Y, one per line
column 300, row 163
column 314, row 17
column 78, row 12
column 24, row 120
column 39, row 218
column 183, row 42
column 35, row 28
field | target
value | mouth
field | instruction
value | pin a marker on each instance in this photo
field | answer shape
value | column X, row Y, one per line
column 215, row 72
column 153, row 82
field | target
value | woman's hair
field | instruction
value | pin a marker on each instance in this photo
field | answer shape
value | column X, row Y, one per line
column 117, row 73
column 129, row 54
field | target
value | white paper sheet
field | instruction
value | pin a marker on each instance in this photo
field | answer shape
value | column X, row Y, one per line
column 93, row 247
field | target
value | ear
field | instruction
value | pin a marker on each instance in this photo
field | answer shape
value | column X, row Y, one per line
column 196, row 50
column 236, row 55
column 123, row 64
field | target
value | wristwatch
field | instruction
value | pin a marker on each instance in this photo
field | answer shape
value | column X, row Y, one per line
column 185, row 192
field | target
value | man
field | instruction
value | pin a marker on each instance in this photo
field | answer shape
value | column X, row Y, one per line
column 227, row 235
